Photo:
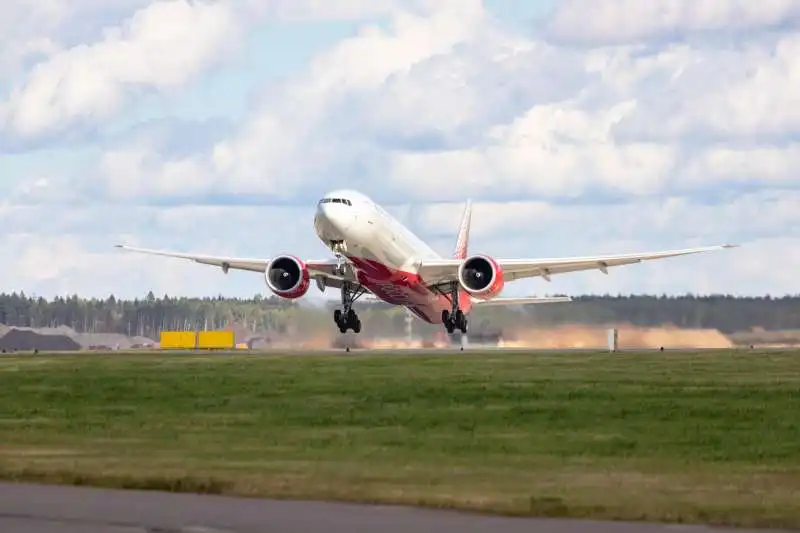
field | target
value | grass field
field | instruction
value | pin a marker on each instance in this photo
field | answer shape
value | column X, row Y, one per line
column 698, row 437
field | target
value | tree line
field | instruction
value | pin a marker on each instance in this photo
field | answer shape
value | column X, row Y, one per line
column 150, row 315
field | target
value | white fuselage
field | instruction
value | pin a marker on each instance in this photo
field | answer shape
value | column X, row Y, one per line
column 383, row 253
column 368, row 232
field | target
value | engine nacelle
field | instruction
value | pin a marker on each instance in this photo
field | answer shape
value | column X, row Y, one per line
column 287, row 277
column 481, row 277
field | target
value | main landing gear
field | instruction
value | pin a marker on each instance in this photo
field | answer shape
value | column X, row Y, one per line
column 346, row 318
column 454, row 319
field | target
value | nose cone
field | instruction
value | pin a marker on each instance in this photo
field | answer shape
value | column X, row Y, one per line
column 336, row 219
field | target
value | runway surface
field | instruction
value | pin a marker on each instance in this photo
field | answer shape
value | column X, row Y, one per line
column 51, row 509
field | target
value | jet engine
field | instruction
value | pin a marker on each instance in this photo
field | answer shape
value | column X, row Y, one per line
column 481, row 276
column 287, row 277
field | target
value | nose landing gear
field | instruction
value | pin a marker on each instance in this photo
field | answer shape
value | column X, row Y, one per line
column 339, row 248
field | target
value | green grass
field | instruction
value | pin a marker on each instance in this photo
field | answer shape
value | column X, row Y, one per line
column 695, row 437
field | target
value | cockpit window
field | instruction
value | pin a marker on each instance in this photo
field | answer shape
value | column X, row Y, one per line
column 344, row 201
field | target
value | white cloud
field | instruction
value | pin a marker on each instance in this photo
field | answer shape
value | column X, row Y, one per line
column 133, row 171
column 552, row 150
column 437, row 103
column 162, row 46
column 44, row 27
column 670, row 221
column 768, row 164
column 367, row 60
column 304, row 10
column 509, row 114
column 279, row 148
column 740, row 94
column 619, row 21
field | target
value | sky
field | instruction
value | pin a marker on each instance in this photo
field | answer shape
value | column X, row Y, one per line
column 577, row 127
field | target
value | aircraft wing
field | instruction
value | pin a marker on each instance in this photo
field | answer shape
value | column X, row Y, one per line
column 521, row 301
column 435, row 272
column 323, row 267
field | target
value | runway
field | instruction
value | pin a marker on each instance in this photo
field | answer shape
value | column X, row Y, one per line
column 28, row 508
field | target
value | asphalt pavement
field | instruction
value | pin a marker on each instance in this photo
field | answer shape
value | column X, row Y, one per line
column 27, row 508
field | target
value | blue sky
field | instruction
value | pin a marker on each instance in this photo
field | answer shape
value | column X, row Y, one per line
column 576, row 127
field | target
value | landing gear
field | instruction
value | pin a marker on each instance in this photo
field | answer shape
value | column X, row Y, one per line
column 339, row 249
column 346, row 318
column 454, row 319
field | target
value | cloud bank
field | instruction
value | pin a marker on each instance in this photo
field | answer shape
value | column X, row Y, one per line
column 602, row 127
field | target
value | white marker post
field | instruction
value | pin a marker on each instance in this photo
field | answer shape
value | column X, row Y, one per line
column 613, row 338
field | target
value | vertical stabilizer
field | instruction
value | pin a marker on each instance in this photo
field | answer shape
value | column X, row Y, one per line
column 462, row 243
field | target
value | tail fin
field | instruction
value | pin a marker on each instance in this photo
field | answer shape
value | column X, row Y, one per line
column 462, row 243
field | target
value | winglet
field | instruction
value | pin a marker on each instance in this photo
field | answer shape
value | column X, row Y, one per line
column 462, row 242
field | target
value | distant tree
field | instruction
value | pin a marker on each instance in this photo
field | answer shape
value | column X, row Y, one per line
column 151, row 315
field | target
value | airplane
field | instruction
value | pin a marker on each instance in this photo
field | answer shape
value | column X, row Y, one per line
column 374, row 253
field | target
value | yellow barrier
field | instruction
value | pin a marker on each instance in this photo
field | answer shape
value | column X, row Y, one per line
column 178, row 340
column 216, row 340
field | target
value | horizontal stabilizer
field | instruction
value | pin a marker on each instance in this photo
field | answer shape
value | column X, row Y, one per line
column 521, row 301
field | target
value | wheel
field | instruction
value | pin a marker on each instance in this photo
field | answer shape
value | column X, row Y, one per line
column 357, row 326
column 445, row 316
column 351, row 317
column 461, row 321
column 342, row 328
column 337, row 316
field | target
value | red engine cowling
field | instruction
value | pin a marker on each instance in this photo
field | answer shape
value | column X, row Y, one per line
column 287, row 277
column 481, row 277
